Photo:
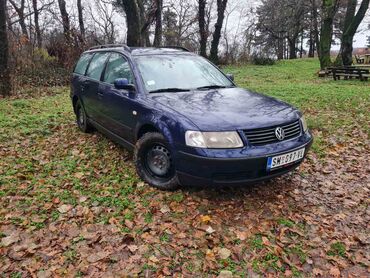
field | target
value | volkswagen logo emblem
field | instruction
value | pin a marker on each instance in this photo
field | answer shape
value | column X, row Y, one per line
column 279, row 133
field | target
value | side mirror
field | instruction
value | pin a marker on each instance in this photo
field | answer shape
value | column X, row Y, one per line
column 122, row 84
column 230, row 76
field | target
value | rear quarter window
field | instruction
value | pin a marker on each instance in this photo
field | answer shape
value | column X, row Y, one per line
column 82, row 64
column 97, row 65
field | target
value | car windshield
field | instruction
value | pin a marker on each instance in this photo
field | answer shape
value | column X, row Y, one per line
column 176, row 73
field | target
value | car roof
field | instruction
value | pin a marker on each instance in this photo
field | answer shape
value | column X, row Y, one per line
column 140, row 51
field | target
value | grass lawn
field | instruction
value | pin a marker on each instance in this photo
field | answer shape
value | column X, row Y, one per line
column 71, row 204
column 331, row 108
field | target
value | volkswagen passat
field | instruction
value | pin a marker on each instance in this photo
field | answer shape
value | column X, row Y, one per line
column 186, row 121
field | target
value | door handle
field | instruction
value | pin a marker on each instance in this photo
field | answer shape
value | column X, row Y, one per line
column 85, row 85
column 100, row 94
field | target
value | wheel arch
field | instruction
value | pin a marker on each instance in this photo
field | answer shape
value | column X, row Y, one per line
column 74, row 102
column 160, row 127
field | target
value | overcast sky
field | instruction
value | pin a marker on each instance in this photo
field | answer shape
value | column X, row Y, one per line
column 237, row 9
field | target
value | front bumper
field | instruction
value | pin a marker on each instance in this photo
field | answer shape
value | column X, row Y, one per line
column 193, row 169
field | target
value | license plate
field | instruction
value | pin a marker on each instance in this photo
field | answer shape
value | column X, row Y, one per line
column 284, row 159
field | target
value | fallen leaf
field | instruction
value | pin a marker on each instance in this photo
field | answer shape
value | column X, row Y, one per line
column 205, row 218
column 241, row 235
column 78, row 175
column 82, row 199
column 334, row 271
column 9, row 240
column 129, row 224
column 317, row 271
column 64, row 208
column 95, row 257
column 266, row 241
column 210, row 230
column 140, row 184
column 153, row 259
column 224, row 253
column 132, row 248
column 225, row 274
column 165, row 209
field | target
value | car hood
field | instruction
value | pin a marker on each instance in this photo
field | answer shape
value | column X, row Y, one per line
column 228, row 109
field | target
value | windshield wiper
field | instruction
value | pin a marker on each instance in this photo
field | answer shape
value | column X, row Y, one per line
column 169, row 90
column 212, row 87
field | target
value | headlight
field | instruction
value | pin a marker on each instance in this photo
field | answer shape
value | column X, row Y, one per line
column 304, row 124
column 213, row 140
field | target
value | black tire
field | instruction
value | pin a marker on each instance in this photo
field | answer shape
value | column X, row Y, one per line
column 154, row 163
column 81, row 118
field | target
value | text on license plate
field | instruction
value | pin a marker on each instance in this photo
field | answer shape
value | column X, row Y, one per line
column 284, row 159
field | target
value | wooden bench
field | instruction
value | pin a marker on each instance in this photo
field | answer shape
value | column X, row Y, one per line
column 350, row 73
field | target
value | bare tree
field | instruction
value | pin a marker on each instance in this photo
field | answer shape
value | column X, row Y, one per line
column 133, row 20
column 351, row 24
column 36, row 15
column 158, row 23
column 65, row 20
column 329, row 9
column 102, row 14
column 80, row 19
column 5, row 84
column 180, row 24
column 314, row 29
column 19, row 8
column 221, row 7
column 281, row 21
column 202, row 27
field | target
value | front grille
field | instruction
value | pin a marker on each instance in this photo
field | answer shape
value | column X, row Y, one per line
column 264, row 136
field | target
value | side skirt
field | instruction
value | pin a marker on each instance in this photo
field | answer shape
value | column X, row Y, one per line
column 127, row 145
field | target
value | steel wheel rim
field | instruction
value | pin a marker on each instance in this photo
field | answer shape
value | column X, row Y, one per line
column 158, row 161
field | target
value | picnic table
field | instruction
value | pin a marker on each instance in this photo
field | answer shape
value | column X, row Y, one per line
column 350, row 73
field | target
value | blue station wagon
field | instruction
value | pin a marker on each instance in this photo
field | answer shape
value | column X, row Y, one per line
column 186, row 121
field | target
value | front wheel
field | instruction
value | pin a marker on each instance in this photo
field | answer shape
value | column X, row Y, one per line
column 154, row 161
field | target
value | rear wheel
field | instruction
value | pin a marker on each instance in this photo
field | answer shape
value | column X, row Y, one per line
column 81, row 118
column 154, row 161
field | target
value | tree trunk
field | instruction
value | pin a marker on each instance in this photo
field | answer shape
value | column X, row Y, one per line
column 158, row 23
column 350, row 28
column 132, row 11
column 329, row 8
column 5, row 85
column 350, row 13
column 202, row 27
column 311, row 51
column 145, row 22
column 37, row 24
column 316, row 26
column 221, row 6
column 280, row 48
column 301, row 50
column 81, row 19
column 65, row 20
column 292, row 48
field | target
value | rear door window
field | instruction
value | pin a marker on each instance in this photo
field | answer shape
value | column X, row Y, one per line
column 82, row 64
column 117, row 67
column 97, row 65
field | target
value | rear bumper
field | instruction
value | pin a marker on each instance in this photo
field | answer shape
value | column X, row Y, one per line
column 206, row 171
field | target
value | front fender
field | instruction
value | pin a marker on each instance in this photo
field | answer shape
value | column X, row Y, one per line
column 173, row 130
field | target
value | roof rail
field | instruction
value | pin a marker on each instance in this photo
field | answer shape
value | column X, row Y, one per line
column 110, row 46
column 176, row 47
